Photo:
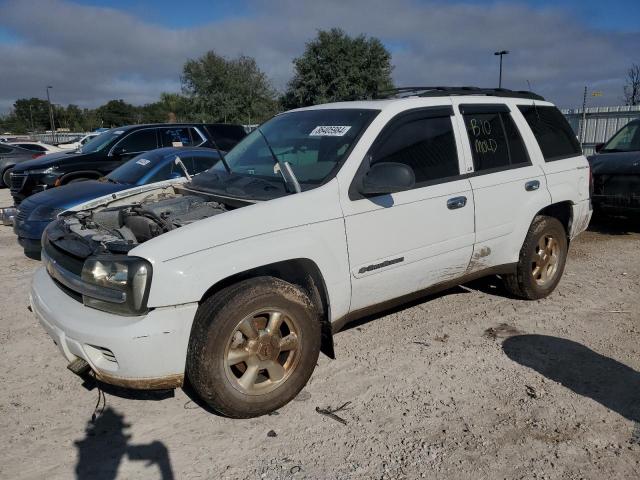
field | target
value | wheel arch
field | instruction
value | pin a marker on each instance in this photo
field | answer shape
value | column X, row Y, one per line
column 562, row 211
column 92, row 174
column 302, row 272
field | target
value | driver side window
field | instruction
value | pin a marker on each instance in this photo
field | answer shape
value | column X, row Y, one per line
column 427, row 145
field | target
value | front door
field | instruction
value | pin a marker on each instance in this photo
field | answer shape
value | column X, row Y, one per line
column 406, row 241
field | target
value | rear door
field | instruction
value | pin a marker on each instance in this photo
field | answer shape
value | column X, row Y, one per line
column 566, row 168
column 508, row 188
column 407, row 241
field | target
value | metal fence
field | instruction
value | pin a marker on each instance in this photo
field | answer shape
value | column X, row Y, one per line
column 600, row 123
column 60, row 137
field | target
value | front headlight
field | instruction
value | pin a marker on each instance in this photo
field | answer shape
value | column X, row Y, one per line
column 43, row 213
column 41, row 171
column 125, row 279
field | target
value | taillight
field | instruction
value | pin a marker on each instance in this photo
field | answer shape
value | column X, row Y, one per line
column 36, row 155
column 590, row 182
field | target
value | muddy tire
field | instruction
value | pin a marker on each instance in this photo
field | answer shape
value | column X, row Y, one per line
column 542, row 260
column 253, row 347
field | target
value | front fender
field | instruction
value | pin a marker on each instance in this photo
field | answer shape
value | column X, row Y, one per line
column 186, row 278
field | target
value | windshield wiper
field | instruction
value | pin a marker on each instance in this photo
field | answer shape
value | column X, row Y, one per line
column 222, row 159
column 285, row 167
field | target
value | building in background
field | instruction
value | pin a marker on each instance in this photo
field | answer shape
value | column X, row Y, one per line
column 600, row 123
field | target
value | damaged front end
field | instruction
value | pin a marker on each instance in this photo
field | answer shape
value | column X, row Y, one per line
column 616, row 192
column 86, row 252
column 616, row 181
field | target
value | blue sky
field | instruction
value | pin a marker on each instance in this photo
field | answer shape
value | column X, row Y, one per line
column 620, row 15
column 95, row 50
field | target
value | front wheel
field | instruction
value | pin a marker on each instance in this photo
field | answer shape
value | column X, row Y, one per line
column 6, row 177
column 253, row 347
column 542, row 260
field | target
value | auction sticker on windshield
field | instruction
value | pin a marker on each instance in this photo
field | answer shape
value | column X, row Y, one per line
column 329, row 131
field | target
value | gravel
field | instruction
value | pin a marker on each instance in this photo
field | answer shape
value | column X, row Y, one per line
column 466, row 384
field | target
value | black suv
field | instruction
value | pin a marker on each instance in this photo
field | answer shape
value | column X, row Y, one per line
column 111, row 149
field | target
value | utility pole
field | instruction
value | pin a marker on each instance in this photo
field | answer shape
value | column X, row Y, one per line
column 31, row 118
column 584, row 116
column 501, row 53
column 51, row 119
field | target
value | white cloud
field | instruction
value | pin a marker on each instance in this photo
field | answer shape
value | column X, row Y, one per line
column 93, row 54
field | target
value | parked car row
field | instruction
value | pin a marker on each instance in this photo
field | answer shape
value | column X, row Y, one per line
column 122, row 158
column 111, row 149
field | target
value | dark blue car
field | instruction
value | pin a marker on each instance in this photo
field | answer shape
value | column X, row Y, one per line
column 36, row 211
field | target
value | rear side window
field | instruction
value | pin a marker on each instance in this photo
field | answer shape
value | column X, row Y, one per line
column 427, row 145
column 179, row 137
column 139, row 141
column 495, row 141
column 552, row 131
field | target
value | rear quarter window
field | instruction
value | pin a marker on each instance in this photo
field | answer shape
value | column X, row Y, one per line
column 555, row 136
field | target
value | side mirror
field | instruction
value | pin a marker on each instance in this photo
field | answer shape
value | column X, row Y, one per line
column 599, row 146
column 387, row 177
column 118, row 151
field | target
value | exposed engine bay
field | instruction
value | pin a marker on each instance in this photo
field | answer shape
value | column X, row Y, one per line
column 119, row 226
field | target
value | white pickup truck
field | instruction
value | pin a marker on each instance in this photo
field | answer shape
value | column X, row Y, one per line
column 237, row 279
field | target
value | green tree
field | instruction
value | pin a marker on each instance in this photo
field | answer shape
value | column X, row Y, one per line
column 116, row 113
column 31, row 114
column 337, row 67
column 228, row 90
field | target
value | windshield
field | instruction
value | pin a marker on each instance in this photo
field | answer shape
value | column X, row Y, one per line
column 102, row 141
column 314, row 142
column 626, row 140
column 136, row 168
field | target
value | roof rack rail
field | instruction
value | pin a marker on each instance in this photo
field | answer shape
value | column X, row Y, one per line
column 403, row 92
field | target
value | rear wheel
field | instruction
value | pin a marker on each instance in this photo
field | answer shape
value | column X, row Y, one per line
column 542, row 260
column 253, row 347
column 6, row 177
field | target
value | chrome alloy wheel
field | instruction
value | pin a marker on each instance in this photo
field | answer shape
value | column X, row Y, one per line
column 263, row 351
column 544, row 264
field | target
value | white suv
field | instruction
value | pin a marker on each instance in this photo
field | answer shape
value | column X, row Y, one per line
column 238, row 278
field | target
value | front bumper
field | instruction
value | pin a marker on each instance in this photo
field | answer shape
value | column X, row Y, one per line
column 24, row 185
column 145, row 352
column 29, row 233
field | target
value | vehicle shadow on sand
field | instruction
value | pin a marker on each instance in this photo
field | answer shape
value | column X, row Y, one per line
column 106, row 444
column 590, row 374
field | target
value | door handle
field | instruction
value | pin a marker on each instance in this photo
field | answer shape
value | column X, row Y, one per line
column 456, row 202
column 532, row 185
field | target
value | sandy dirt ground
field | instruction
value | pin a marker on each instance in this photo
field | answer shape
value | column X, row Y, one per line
column 468, row 384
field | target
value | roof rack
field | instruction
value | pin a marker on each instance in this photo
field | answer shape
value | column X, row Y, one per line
column 404, row 92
